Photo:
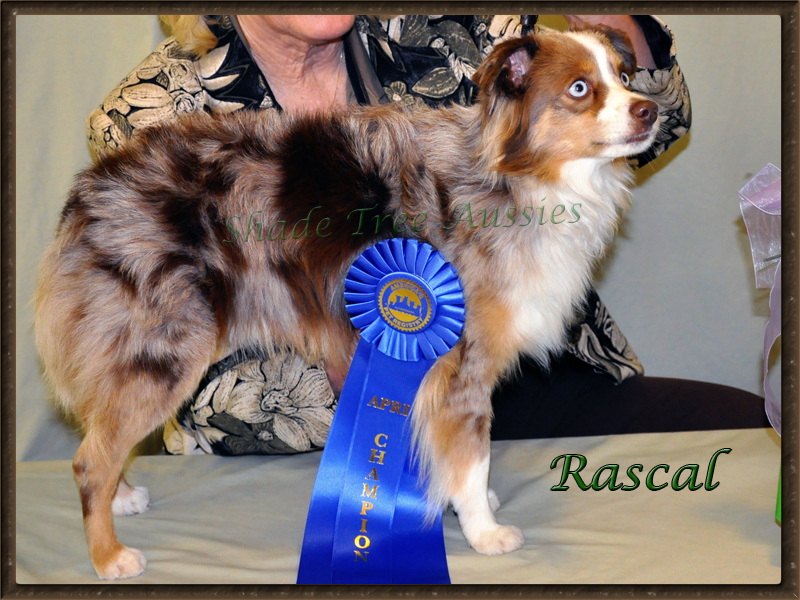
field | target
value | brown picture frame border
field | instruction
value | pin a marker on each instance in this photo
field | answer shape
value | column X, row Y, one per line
column 790, row 73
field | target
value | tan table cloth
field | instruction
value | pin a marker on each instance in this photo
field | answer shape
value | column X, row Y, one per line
column 240, row 520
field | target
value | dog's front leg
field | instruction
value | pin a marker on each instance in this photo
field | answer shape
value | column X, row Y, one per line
column 473, row 505
column 452, row 419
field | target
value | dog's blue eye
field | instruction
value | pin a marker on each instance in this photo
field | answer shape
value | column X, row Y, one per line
column 578, row 89
column 625, row 79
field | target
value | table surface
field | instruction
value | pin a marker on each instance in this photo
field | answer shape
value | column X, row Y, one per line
column 216, row 520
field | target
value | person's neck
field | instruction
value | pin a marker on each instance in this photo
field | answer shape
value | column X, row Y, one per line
column 304, row 77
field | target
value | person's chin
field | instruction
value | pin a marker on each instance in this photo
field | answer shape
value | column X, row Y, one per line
column 328, row 27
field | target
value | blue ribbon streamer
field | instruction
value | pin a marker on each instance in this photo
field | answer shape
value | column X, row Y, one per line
column 367, row 519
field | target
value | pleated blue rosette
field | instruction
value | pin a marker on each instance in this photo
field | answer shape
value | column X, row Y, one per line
column 406, row 299
column 367, row 522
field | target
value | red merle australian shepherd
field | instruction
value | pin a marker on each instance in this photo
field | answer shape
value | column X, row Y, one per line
column 142, row 288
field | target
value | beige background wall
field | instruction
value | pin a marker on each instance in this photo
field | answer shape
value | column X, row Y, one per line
column 678, row 282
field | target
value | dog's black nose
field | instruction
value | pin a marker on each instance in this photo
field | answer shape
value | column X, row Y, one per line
column 644, row 111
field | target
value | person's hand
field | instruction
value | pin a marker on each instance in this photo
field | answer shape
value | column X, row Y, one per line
column 624, row 23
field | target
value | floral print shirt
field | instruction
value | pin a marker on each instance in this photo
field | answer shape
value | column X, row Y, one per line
column 251, row 402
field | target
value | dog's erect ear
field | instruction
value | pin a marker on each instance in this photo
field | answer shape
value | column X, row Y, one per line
column 505, row 69
column 518, row 64
column 622, row 44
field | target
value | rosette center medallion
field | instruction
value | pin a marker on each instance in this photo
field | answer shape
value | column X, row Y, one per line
column 406, row 305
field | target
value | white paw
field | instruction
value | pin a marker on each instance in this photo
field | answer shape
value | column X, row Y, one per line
column 494, row 501
column 128, row 562
column 130, row 501
column 500, row 539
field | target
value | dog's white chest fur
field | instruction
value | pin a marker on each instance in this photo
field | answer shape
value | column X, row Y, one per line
column 542, row 305
column 552, row 267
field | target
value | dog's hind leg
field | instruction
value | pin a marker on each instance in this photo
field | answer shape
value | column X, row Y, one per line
column 135, row 400
column 97, row 467
column 124, row 339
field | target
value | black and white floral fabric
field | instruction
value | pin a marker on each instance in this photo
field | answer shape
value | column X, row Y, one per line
column 431, row 58
column 275, row 403
column 597, row 340
column 253, row 404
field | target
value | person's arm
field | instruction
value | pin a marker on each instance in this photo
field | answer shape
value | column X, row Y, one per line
column 624, row 23
column 158, row 90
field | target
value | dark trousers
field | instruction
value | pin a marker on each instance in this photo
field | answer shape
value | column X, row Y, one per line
column 574, row 400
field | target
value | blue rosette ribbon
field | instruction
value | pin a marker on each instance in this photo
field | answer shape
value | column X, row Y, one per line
column 368, row 522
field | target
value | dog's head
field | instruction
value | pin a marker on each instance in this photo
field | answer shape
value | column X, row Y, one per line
column 555, row 97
